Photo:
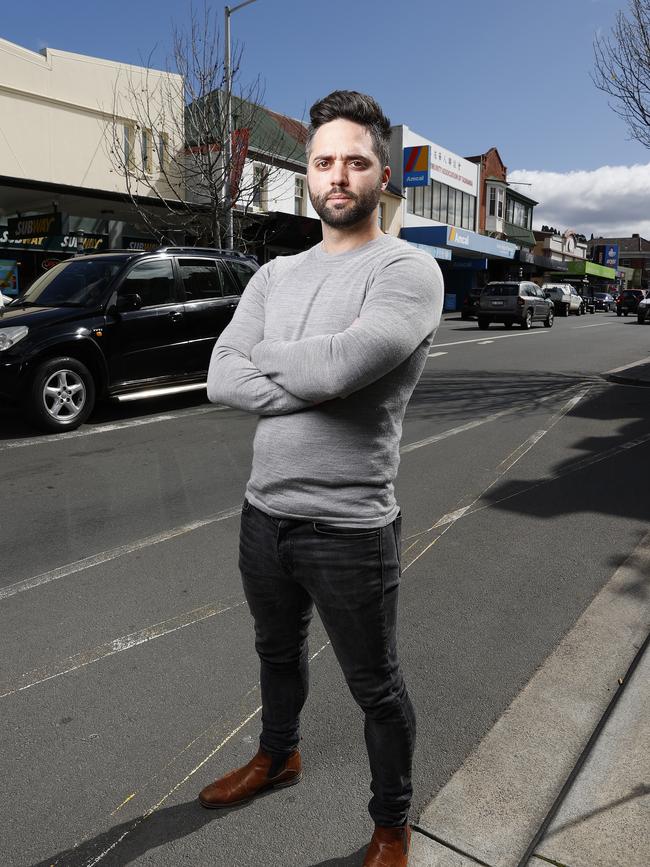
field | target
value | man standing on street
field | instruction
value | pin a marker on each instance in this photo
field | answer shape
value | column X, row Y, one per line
column 327, row 347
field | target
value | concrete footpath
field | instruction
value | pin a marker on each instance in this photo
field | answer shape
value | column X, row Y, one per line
column 563, row 777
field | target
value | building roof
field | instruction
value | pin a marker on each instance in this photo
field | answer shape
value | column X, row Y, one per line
column 270, row 132
column 633, row 244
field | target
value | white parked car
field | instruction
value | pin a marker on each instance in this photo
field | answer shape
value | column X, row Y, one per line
column 565, row 297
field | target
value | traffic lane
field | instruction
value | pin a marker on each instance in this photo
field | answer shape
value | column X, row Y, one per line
column 67, row 500
column 160, row 584
column 572, row 346
column 455, row 605
column 468, row 643
column 438, row 478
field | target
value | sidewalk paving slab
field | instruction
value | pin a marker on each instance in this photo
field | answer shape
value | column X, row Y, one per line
column 494, row 804
column 426, row 852
column 605, row 818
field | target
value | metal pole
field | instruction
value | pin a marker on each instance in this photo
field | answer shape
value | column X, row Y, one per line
column 227, row 149
column 227, row 12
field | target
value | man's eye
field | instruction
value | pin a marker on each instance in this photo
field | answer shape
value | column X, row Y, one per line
column 321, row 164
column 358, row 164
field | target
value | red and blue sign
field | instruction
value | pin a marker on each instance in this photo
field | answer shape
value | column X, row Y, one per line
column 417, row 166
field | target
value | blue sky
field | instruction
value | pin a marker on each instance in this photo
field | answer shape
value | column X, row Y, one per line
column 468, row 75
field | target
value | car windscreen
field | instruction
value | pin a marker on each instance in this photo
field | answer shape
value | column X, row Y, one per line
column 77, row 282
column 501, row 289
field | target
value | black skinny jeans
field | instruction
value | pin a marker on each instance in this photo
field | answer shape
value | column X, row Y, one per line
column 352, row 576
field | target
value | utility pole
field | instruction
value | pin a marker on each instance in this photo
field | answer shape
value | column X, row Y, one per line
column 228, row 11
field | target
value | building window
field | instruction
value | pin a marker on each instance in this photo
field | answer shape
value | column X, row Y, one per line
column 410, row 200
column 382, row 216
column 500, row 203
column 162, row 149
column 146, row 150
column 435, row 200
column 129, row 144
column 492, row 207
column 299, row 197
column 259, row 187
column 451, row 206
column 427, row 201
column 419, row 201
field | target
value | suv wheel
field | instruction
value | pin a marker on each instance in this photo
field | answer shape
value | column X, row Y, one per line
column 527, row 321
column 566, row 309
column 548, row 322
column 61, row 395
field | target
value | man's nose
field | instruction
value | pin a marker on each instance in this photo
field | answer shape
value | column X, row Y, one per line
column 339, row 177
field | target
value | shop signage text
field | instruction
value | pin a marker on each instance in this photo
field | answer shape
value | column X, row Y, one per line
column 417, row 166
column 36, row 226
column 142, row 244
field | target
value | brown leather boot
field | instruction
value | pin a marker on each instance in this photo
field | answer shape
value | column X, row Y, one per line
column 389, row 847
column 243, row 784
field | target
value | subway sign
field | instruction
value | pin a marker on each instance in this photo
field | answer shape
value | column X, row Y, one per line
column 417, row 166
column 35, row 226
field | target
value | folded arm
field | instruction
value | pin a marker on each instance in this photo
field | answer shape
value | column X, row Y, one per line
column 402, row 308
column 233, row 379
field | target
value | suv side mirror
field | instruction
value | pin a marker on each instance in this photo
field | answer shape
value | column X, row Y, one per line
column 132, row 301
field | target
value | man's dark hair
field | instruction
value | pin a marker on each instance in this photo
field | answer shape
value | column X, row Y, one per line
column 359, row 108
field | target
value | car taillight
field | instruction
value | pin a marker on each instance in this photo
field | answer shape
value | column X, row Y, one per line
column 520, row 301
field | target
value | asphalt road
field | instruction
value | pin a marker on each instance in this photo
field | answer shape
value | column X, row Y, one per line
column 128, row 677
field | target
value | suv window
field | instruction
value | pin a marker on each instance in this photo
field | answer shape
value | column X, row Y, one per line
column 75, row 282
column 242, row 271
column 201, row 279
column 153, row 281
column 501, row 289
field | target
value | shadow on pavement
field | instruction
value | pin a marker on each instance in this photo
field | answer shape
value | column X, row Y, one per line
column 141, row 835
column 353, row 860
column 461, row 395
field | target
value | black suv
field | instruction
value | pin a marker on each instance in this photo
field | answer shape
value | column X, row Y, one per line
column 116, row 324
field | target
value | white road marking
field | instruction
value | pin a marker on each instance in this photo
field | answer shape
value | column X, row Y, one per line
column 112, row 554
column 485, row 342
column 470, row 425
column 110, row 648
column 448, row 520
column 107, row 428
column 645, row 360
column 185, row 779
column 436, row 354
column 496, row 337
column 594, row 325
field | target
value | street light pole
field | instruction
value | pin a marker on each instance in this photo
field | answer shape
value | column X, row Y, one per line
column 228, row 11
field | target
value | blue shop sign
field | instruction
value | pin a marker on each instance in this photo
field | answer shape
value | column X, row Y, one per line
column 436, row 252
column 417, row 166
column 460, row 239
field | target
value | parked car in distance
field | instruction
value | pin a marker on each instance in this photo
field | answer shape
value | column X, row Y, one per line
column 603, row 301
column 470, row 306
column 643, row 311
column 628, row 301
column 514, row 301
column 565, row 298
column 122, row 324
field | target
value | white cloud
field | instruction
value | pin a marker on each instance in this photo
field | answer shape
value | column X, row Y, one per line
column 609, row 201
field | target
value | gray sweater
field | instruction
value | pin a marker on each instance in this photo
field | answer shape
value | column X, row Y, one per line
column 327, row 349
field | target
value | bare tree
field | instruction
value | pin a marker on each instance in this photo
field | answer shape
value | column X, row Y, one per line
column 622, row 68
column 167, row 140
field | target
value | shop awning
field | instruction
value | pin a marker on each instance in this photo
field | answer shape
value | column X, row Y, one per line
column 460, row 241
column 519, row 235
column 591, row 269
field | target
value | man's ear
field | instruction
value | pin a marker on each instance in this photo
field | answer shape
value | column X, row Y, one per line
column 385, row 177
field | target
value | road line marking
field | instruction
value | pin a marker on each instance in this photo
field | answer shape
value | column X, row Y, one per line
column 436, row 354
column 496, row 337
column 186, row 778
column 118, row 645
column 107, row 428
column 594, row 325
column 645, row 360
column 447, row 521
column 485, row 342
column 112, row 554
column 470, row 425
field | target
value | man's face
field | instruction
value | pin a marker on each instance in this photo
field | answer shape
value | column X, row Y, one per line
column 344, row 176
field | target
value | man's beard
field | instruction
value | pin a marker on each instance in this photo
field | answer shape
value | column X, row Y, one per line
column 364, row 204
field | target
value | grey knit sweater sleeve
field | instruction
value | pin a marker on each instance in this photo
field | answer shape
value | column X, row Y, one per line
column 233, row 378
column 401, row 308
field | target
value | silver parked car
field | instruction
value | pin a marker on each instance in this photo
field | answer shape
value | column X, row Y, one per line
column 565, row 298
column 513, row 301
